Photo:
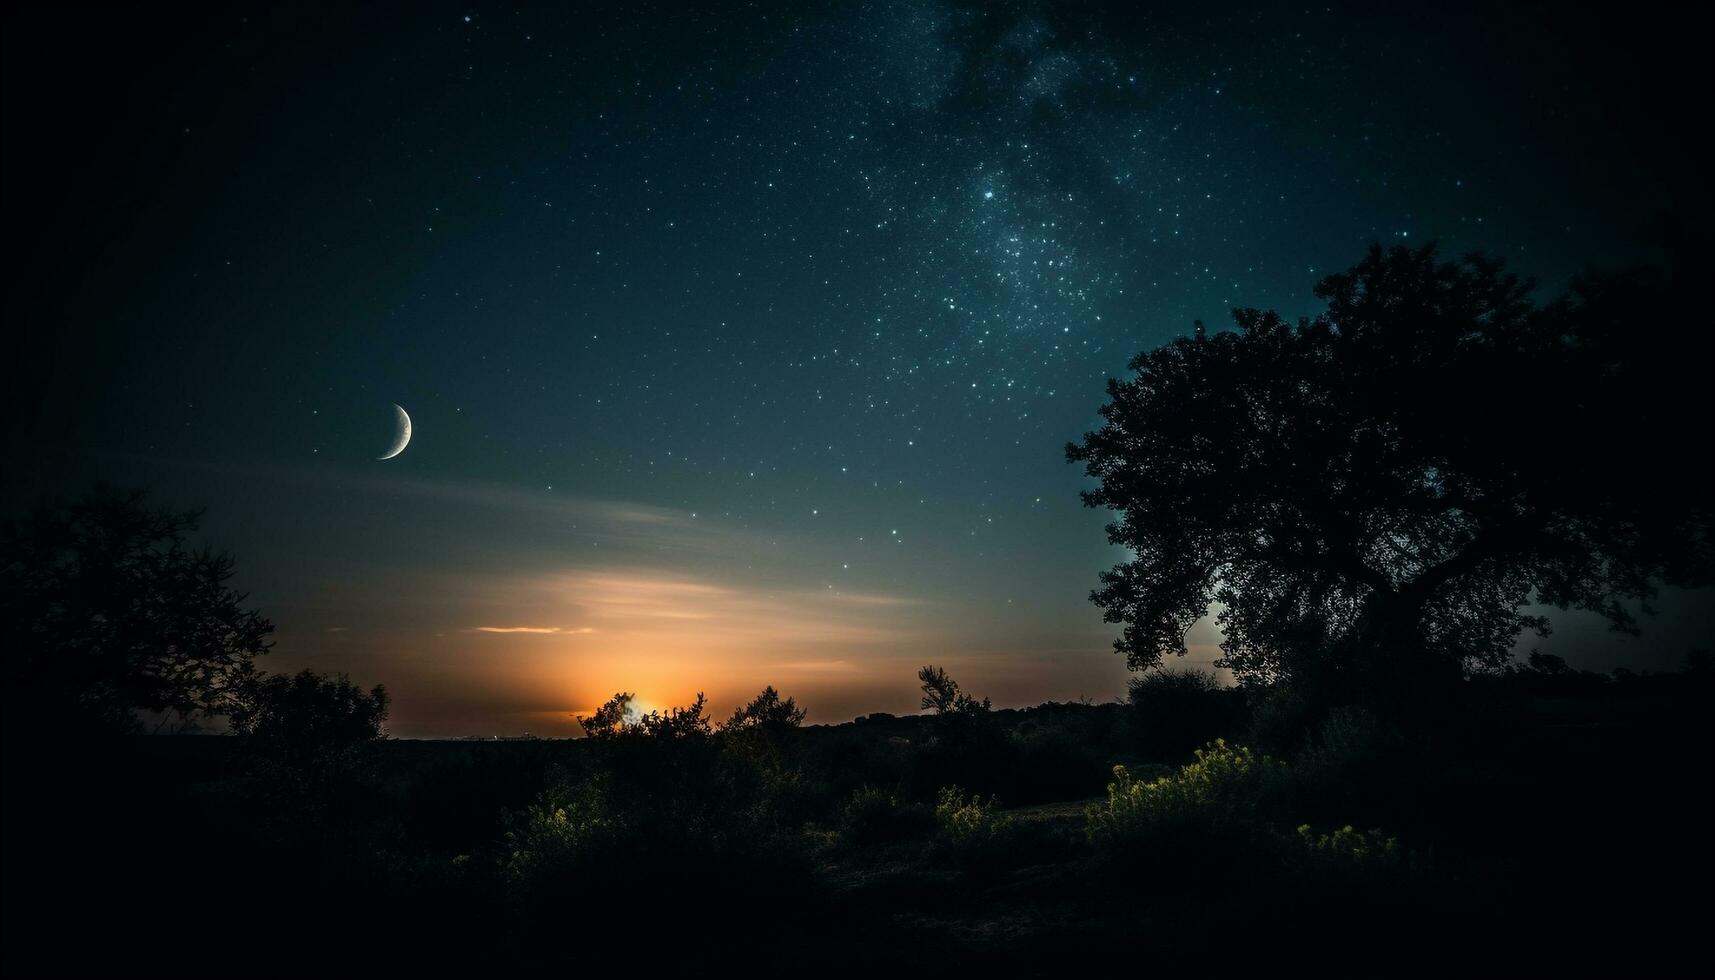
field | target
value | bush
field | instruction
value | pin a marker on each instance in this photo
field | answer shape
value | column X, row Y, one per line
column 971, row 833
column 620, row 854
column 559, row 835
column 1349, row 763
column 307, row 770
column 876, row 816
column 306, row 712
column 768, row 712
column 656, row 794
column 1053, row 763
column 1210, row 806
column 1282, row 718
column 968, row 750
column 1347, row 853
column 760, row 744
column 1174, row 711
column 618, row 719
column 667, row 774
column 1219, row 819
column 1224, row 779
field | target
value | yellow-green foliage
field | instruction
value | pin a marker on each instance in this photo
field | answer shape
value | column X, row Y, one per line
column 1226, row 807
column 1352, row 850
column 1223, row 783
column 556, row 833
column 970, row 829
column 968, row 817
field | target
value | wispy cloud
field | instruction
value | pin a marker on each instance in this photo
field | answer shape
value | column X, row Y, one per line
column 821, row 666
column 641, row 602
column 615, row 521
column 866, row 599
column 532, row 629
column 559, row 505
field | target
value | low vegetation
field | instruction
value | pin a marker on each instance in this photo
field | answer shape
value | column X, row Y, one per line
column 1150, row 830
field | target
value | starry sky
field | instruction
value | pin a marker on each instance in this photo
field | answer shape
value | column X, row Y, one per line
column 742, row 342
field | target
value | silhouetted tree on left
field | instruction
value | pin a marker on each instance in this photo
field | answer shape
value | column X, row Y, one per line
column 106, row 612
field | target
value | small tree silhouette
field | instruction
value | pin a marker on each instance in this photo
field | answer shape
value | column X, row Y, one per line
column 942, row 695
column 761, row 733
column 767, row 712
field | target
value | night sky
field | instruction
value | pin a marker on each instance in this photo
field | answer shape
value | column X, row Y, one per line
column 742, row 344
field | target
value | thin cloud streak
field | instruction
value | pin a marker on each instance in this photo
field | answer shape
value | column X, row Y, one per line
column 821, row 667
column 533, row 629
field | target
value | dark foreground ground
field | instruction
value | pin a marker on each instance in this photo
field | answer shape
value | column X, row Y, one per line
column 1548, row 831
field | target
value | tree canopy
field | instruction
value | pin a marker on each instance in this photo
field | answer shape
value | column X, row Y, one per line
column 307, row 710
column 767, row 712
column 107, row 611
column 1376, row 494
column 619, row 718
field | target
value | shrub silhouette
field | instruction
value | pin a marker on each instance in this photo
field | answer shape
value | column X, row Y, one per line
column 617, row 719
column 1174, row 711
column 1348, row 765
column 655, row 798
column 877, row 816
column 306, row 712
column 305, row 770
column 767, row 712
column 758, row 737
column 1056, row 760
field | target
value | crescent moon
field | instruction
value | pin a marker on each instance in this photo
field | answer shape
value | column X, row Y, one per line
column 403, row 438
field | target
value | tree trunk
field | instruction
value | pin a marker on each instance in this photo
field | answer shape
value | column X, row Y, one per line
column 1393, row 666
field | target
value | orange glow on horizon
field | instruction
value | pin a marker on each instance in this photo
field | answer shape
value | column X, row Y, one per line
column 533, row 653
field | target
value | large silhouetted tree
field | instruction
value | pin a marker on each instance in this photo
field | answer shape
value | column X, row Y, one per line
column 1374, row 496
column 107, row 611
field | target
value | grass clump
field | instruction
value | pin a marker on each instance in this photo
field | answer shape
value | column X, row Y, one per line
column 876, row 816
column 973, row 833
